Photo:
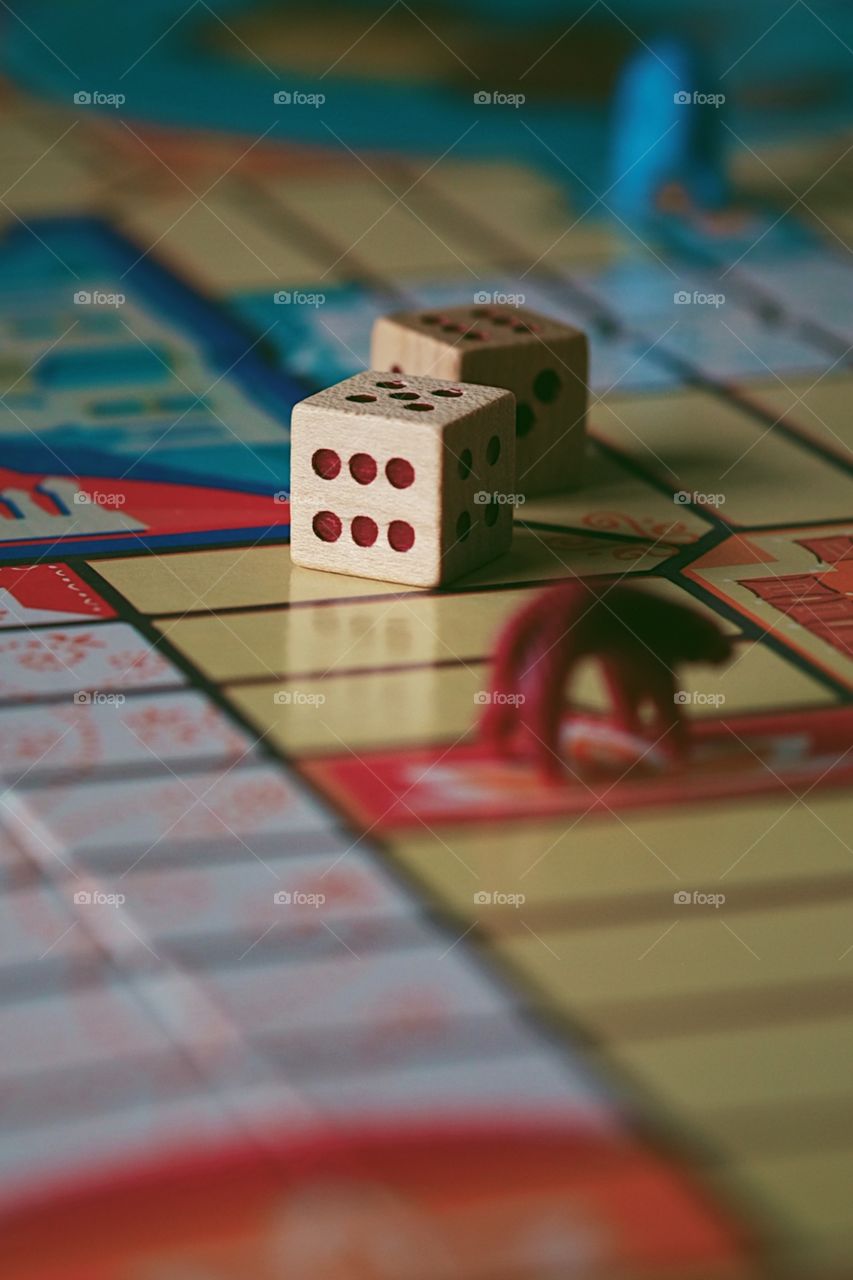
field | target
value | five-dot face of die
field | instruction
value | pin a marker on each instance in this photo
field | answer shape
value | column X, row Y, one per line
column 406, row 479
column 542, row 361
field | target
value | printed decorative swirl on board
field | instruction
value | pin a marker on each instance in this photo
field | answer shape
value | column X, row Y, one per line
column 619, row 522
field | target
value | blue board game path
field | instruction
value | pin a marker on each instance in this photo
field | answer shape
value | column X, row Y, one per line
column 121, row 408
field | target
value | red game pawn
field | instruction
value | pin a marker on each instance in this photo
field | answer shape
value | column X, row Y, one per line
column 639, row 640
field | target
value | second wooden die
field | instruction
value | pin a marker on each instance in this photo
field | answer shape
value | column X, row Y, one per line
column 543, row 362
column 404, row 479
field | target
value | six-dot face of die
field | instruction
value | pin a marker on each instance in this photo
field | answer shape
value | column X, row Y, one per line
column 542, row 361
column 403, row 479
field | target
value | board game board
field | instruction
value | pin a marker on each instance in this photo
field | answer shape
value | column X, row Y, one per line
column 258, row 879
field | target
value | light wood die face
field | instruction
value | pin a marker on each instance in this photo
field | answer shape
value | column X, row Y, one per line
column 387, row 475
column 543, row 362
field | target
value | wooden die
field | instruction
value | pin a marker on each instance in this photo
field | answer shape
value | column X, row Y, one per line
column 403, row 479
column 543, row 362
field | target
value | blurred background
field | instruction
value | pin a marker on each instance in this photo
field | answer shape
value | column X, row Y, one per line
column 252, row 183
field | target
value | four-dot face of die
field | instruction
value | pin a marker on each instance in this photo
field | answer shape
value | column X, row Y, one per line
column 404, row 479
column 542, row 361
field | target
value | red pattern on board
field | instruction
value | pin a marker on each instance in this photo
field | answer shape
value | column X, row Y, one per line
column 51, row 651
column 818, row 602
column 731, row 757
column 484, row 1191
column 53, row 588
column 830, row 550
column 115, row 508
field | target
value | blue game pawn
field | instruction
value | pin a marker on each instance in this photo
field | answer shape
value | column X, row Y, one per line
column 668, row 138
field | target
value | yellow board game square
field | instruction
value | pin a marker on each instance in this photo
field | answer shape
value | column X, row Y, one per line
column 194, row 581
column 371, row 709
column 702, row 444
